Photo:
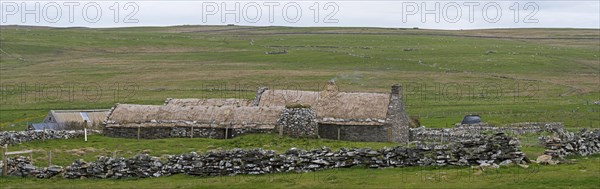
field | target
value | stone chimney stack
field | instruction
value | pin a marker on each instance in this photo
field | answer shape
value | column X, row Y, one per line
column 396, row 88
column 396, row 118
column 259, row 94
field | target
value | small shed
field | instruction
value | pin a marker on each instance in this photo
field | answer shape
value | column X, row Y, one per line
column 71, row 119
column 42, row 126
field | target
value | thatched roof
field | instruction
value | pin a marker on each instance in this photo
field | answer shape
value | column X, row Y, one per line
column 285, row 97
column 207, row 102
column 131, row 115
column 334, row 107
column 76, row 116
column 354, row 106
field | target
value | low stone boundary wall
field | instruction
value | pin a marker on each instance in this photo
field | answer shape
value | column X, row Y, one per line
column 22, row 167
column 488, row 151
column 442, row 135
column 462, row 132
column 16, row 137
column 567, row 143
column 515, row 128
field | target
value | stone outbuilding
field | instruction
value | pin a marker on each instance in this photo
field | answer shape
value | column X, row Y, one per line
column 71, row 119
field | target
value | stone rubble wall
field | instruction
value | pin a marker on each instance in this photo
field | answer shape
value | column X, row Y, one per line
column 515, row 128
column 21, row 166
column 566, row 143
column 461, row 132
column 16, row 137
column 489, row 151
column 298, row 122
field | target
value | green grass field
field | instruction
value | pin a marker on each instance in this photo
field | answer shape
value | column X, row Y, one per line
column 564, row 176
column 504, row 75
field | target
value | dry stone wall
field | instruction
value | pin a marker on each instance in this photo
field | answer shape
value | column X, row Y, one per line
column 515, row 128
column 22, row 167
column 566, row 143
column 461, row 132
column 491, row 150
column 16, row 137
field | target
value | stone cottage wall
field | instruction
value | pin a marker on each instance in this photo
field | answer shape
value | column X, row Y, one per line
column 172, row 132
column 367, row 133
column 179, row 132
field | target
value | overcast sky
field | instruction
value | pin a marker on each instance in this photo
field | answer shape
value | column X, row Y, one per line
column 401, row 14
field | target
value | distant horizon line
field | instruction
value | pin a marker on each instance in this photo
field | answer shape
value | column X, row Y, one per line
column 283, row 26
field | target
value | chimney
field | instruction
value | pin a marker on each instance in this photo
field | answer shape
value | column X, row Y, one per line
column 397, row 119
column 396, row 97
column 259, row 94
column 396, row 88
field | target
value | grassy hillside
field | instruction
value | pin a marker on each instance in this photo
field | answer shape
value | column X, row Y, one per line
column 508, row 75
column 505, row 75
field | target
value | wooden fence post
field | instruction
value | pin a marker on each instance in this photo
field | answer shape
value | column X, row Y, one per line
column 85, row 130
column 389, row 134
column 338, row 137
column 280, row 131
column 138, row 132
column 4, row 160
column 192, row 132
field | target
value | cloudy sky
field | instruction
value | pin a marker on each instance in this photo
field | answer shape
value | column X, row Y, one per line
column 443, row 14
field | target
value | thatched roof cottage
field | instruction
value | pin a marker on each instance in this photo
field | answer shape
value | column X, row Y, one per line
column 160, row 121
column 356, row 116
